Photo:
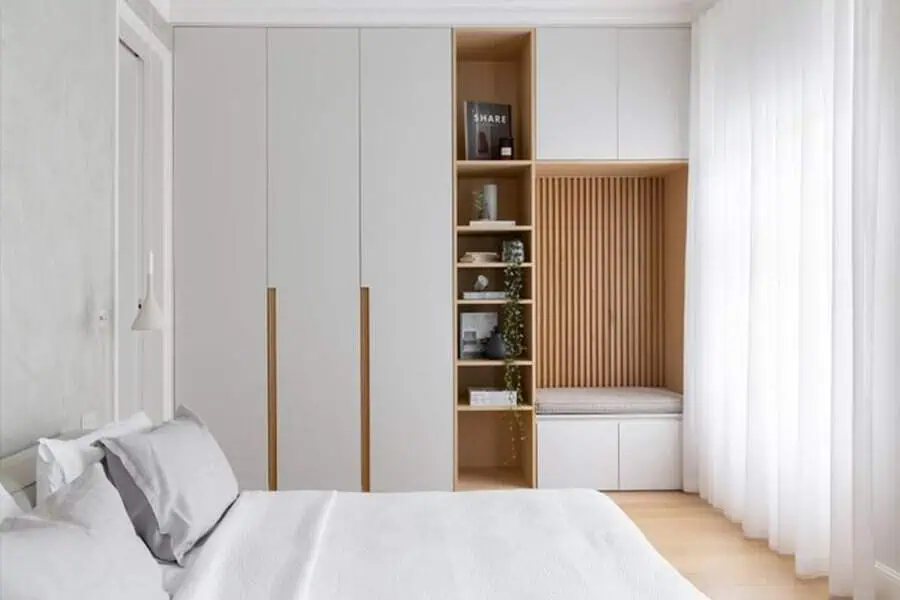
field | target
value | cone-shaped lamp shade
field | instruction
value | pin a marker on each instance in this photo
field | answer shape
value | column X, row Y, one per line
column 149, row 317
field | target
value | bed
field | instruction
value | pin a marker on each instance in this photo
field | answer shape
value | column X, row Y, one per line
column 499, row 545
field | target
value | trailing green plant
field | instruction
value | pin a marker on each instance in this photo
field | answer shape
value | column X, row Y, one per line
column 513, row 334
column 479, row 205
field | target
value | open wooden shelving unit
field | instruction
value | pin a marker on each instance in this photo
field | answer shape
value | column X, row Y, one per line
column 494, row 65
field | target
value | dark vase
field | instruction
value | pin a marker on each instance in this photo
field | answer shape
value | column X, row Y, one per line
column 495, row 348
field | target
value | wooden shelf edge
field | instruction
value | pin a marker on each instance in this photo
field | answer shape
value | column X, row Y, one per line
column 491, row 265
column 493, row 478
column 470, row 230
column 469, row 408
column 491, row 168
column 490, row 363
column 462, row 302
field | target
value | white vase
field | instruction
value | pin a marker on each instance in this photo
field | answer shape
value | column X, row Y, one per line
column 490, row 202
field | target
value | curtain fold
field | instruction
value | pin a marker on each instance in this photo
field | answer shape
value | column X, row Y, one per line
column 791, row 305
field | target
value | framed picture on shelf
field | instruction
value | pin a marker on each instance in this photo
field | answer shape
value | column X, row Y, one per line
column 474, row 332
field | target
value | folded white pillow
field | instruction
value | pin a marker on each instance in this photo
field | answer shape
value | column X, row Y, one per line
column 79, row 544
column 61, row 461
column 8, row 505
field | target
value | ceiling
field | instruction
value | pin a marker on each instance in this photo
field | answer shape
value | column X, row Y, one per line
column 431, row 12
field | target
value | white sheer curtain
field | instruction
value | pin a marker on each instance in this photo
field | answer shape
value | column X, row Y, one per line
column 789, row 102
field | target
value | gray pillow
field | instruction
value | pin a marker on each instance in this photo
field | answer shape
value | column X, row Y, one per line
column 78, row 544
column 175, row 482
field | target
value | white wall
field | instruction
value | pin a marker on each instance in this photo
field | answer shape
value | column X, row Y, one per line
column 57, row 171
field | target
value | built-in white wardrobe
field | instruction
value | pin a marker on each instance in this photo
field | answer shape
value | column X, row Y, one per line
column 317, row 163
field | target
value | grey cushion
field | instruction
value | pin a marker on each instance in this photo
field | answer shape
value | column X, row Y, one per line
column 175, row 482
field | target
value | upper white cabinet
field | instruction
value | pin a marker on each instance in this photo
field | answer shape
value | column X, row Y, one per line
column 610, row 93
column 314, row 249
column 220, row 239
column 654, row 93
column 577, row 93
column 407, row 202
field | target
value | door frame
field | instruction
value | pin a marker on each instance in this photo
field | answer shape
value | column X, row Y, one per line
column 157, row 186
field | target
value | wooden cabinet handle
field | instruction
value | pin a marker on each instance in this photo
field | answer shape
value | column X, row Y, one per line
column 364, row 386
column 272, row 384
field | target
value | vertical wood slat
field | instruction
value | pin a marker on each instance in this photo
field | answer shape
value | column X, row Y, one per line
column 599, row 289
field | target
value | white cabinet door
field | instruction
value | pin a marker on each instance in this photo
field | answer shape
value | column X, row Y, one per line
column 406, row 254
column 314, row 253
column 220, row 239
column 576, row 93
column 578, row 452
column 654, row 93
column 650, row 454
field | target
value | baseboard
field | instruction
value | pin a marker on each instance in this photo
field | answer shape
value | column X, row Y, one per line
column 887, row 582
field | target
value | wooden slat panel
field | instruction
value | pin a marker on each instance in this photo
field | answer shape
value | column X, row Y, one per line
column 599, row 289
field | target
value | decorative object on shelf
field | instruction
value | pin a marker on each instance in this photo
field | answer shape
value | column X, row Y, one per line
column 495, row 348
column 486, row 124
column 514, row 251
column 490, row 202
column 507, row 148
column 474, row 332
column 491, row 397
column 478, row 206
column 513, row 333
column 149, row 316
column 484, row 295
column 481, row 293
column 492, row 224
column 480, row 257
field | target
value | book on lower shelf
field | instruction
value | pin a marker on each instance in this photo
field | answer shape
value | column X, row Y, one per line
column 484, row 295
column 492, row 397
column 485, row 224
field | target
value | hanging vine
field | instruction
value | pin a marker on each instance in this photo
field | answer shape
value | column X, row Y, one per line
column 513, row 334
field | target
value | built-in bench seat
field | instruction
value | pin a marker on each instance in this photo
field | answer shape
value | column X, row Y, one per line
column 610, row 439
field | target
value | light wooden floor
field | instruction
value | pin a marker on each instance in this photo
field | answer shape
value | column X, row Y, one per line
column 712, row 552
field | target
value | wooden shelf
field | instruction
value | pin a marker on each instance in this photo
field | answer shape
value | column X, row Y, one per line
column 490, row 265
column 470, row 230
column 462, row 406
column 489, row 302
column 607, row 168
column 462, row 362
column 494, row 478
column 491, row 168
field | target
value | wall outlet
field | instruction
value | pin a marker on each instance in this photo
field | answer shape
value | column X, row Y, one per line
column 89, row 421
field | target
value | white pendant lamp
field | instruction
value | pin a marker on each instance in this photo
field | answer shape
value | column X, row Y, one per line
column 149, row 317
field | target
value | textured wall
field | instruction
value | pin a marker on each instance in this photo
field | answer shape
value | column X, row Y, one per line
column 57, row 171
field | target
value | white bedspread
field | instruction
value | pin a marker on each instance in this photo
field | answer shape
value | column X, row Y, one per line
column 514, row 545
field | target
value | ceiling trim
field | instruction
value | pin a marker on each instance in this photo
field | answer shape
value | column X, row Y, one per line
column 681, row 14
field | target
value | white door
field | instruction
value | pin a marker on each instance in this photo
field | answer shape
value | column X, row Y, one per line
column 654, row 93
column 220, row 239
column 139, row 355
column 577, row 70
column 407, row 253
column 313, row 255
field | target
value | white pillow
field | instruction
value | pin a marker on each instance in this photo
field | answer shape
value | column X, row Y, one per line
column 79, row 544
column 61, row 461
column 8, row 505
